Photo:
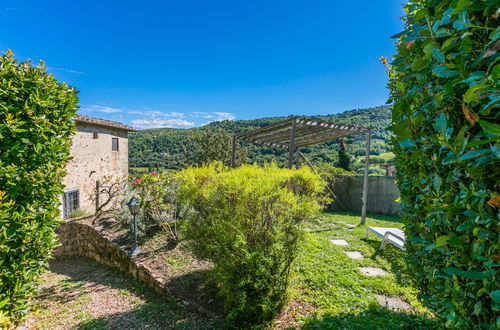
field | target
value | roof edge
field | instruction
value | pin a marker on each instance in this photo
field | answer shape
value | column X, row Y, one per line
column 103, row 122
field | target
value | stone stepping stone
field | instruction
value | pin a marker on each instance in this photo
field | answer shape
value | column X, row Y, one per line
column 349, row 226
column 372, row 271
column 354, row 254
column 340, row 242
column 392, row 303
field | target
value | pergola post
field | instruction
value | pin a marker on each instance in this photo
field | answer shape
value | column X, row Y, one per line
column 291, row 148
column 365, row 177
column 233, row 153
column 298, row 163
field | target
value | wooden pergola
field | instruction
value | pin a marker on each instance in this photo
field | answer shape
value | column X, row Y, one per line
column 297, row 132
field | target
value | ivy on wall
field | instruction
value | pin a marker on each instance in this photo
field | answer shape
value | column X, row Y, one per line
column 444, row 88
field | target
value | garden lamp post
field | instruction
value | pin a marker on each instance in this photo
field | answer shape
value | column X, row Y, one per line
column 133, row 206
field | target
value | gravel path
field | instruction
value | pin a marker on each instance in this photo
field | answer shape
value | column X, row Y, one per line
column 79, row 293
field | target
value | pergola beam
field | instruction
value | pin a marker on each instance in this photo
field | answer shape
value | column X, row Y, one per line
column 272, row 127
column 296, row 132
column 283, row 137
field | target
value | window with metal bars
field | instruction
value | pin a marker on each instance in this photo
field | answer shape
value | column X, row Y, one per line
column 114, row 144
column 71, row 202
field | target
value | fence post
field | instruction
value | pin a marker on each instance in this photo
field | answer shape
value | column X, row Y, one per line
column 365, row 177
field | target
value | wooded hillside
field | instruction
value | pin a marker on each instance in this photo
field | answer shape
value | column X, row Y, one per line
column 163, row 148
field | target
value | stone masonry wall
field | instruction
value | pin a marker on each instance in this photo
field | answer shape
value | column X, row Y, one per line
column 82, row 240
column 93, row 159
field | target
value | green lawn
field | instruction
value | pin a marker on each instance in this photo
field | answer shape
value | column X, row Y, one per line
column 335, row 294
column 137, row 171
column 328, row 291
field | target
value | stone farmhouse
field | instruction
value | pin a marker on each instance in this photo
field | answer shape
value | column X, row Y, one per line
column 99, row 149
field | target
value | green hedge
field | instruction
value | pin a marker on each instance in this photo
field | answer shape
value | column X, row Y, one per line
column 444, row 86
column 247, row 221
column 36, row 123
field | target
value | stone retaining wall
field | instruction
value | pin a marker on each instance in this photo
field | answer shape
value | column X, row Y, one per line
column 82, row 240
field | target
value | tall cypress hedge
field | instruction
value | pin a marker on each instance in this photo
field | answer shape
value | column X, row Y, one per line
column 444, row 88
column 36, row 122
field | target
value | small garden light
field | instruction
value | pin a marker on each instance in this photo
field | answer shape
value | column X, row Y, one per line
column 134, row 207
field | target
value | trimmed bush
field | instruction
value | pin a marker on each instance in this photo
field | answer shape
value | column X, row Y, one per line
column 247, row 221
column 444, row 86
column 36, row 123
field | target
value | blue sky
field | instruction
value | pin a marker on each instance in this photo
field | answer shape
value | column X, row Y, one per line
column 186, row 63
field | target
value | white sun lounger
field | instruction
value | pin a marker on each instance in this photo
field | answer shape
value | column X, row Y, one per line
column 394, row 236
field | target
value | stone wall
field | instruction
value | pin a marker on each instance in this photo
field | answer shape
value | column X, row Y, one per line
column 93, row 159
column 382, row 194
column 82, row 240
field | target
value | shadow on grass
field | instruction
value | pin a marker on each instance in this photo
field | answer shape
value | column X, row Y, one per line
column 151, row 315
column 153, row 311
column 395, row 257
column 374, row 318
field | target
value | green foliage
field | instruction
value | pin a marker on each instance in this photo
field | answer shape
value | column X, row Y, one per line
column 247, row 221
column 158, row 196
column 344, row 158
column 206, row 146
column 164, row 148
column 444, row 86
column 36, row 123
column 344, row 298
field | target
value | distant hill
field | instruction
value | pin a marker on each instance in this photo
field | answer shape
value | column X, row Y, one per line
column 163, row 147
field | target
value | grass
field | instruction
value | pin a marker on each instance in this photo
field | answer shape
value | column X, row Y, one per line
column 138, row 171
column 338, row 295
column 328, row 291
column 386, row 156
column 79, row 293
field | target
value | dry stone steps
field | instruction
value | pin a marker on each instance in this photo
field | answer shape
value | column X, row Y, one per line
column 392, row 303
column 340, row 242
column 373, row 271
column 354, row 254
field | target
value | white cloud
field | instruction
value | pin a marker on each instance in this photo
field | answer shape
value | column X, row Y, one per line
column 51, row 68
column 155, row 113
column 224, row 116
column 175, row 114
column 100, row 108
column 146, row 123
column 197, row 114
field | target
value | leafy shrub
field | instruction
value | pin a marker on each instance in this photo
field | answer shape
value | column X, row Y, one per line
column 160, row 205
column 212, row 144
column 344, row 157
column 444, row 86
column 247, row 221
column 36, row 122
